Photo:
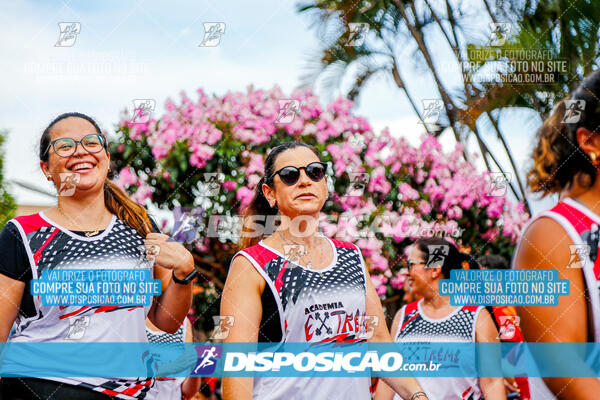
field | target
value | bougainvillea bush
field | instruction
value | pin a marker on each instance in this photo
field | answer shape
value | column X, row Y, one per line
column 384, row 192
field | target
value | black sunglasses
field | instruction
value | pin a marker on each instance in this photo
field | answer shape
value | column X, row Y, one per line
column 66, row 147
column 290, row 175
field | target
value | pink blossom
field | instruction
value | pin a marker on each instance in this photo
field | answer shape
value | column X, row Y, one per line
column 454, row 212
column 495, row 209
column 408, row 193
column 256, row 164
column 341, row 106
column 126, row 178
column 379, row 282
column 160, row 151
column 424, row 207
column 244, row 195
column 201, row 154
column 229, row 185
column 378, row 182
column 397, row 281
column 378, row 262
column 143, row 193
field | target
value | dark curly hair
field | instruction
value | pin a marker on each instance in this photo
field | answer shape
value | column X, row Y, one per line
column 557, row 158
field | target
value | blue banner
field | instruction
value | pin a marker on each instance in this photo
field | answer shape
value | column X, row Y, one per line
column 300, row 359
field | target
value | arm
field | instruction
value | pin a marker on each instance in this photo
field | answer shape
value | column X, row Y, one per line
column 492, row 388
column 171, row 307
column 241, row 299
column 404, row 386
column 384, row 392
column 15, row 273
column 11, row 293
column 545, row 245
column 191, row 384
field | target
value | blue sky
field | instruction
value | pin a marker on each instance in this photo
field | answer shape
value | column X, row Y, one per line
column 149, row 49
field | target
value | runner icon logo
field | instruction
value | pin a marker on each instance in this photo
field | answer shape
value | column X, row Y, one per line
column 207, row 359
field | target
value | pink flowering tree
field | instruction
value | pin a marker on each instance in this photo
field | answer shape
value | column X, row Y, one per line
column 384, row 192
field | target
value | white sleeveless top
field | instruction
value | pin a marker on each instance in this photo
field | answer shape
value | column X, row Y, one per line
column 316, row 306
column 457, row 327
column 168, row 388
column 50, row 246
column 577, row 220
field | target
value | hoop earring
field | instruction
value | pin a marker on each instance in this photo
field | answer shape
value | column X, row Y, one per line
column 594, row 159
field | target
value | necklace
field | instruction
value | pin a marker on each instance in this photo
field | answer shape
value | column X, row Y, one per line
column 86, row 233
column 295, row 252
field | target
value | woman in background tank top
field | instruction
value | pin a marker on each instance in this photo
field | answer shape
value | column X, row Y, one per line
column 174, row 388
column 433, row 319
column 566, row 160
column 296, row 285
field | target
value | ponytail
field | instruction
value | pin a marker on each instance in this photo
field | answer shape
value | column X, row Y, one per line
column 253, row 217
column 258, row 221
column 131, row 213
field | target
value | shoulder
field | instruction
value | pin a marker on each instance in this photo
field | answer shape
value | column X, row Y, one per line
column 13, row 232
column 540, row 242
column 256, row 254
column 344, row 244
column 411, row 308
column 407, row 312
column 341, row 244
column 397, row 319
column 485, row 329
column 244, row 272
column 29, row 223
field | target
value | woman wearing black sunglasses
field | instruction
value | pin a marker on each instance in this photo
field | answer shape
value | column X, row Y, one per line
column 296, row 285
column 95, row 225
